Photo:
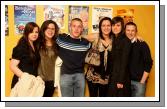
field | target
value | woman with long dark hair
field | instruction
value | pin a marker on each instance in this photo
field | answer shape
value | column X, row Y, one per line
column 98, row 86
column 119, row 83
column 25, row 55
column 48, row 53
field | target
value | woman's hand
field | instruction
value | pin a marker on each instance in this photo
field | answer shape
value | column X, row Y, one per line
column 139, row 38
column 120, row 85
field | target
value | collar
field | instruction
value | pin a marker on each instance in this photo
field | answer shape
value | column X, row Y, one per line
column 133, row 40
column 74, row 37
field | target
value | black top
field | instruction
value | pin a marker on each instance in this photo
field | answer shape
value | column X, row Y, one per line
column 101, row 69
column 140, row 60
column 27, row 63
column 120, row 56
column 72, row 52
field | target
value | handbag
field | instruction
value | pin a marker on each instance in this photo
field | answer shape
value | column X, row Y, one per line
column 94, row 77
column 91, row 75
column 93, row 55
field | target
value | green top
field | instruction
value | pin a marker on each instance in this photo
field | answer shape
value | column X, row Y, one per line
column 46, row 68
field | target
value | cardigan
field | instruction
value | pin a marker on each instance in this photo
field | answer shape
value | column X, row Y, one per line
column 28, row 86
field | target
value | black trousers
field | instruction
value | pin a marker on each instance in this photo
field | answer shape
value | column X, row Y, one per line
column 113, row 91
column 49, row 89
column 97, row 90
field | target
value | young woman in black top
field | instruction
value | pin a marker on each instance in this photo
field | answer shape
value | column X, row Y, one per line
column 98, row 85
column 119, row 83
column 25, row 56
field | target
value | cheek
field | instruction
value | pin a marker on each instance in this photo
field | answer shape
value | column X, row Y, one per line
column 119, row 29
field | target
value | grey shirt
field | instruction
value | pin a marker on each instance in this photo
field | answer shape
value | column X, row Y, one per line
column 46, row 68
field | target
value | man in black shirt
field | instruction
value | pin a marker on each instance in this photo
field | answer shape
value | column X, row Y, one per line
column 140, row 62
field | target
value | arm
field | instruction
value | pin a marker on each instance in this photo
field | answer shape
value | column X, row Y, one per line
column 147, row 62
column 144, row 77
column 90, row 37
column 139, row 38
column 14, row 67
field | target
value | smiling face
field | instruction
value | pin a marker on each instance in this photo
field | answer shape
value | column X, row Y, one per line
column 130, row 31
column 76, row 28
column 50, row 31
column 116, row 28
column 106, row 27
column 33, row 36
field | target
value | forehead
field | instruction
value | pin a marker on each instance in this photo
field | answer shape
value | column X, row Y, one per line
column 74, row 22
column 118, row 23
column 35, row 29
column 51, row 24
column 130, row 27
column 106, row 21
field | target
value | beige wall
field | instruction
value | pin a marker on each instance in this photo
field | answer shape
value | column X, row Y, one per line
column 144, row 17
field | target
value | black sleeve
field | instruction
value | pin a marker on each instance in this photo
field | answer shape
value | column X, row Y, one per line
column 17, row 53
column 148, row 62
column 126, row 46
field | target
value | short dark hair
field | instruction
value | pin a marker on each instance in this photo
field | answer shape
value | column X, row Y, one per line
column 131, row 23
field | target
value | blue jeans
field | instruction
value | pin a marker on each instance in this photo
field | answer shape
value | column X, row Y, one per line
column 72, row 85
column 137, row 89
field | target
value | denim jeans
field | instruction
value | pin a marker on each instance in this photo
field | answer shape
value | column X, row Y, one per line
column 72, row 85
column 137, row 89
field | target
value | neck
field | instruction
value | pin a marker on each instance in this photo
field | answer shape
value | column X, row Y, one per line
column 106, row 38
column 78, row 37
column 116, row 35
column 133, row 40
column 48, row 42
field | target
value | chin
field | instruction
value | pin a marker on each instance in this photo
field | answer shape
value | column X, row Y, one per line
column 76, row 35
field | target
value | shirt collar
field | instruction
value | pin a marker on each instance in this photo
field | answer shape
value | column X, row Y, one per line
column 133, row 40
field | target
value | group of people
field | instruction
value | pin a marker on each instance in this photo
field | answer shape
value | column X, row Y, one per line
column 125, row 62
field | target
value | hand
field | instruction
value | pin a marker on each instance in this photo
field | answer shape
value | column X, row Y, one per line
column 103, row 82
column 142, row 82
column 139, row 38
column 119, row 85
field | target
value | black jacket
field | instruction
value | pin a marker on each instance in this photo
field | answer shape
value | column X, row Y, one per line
column 140, row 60
column 120, row 56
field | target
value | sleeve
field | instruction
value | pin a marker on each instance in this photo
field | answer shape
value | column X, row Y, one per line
column 17, row 53
column 58, row 64
column 124, row 60
column 148, row 62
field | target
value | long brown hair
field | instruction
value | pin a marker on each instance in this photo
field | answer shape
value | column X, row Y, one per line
column 24, row 39
column 100, row 24
column 42, row 36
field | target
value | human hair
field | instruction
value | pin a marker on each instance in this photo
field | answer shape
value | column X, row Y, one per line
column 23, row 41
column 42, row 36
column 100, row 24
column 118, row 19
column 76, row 19
column 131, row 23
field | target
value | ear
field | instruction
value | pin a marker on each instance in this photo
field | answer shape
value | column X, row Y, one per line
column 82, row 30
